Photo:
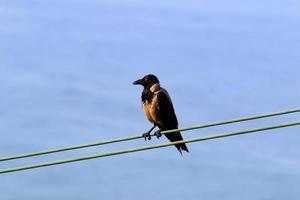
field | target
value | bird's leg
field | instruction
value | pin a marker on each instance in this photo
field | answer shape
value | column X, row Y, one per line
column 158, row 133
column 147, row 134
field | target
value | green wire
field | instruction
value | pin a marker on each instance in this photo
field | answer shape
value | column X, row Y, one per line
column 148, row 147
column 20, row 156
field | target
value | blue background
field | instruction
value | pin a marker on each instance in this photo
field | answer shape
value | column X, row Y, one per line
column 66, row 73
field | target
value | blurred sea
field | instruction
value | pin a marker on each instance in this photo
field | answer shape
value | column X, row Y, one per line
column 66, row 73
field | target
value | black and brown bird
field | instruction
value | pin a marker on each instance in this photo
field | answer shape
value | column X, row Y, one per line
column 159, row 110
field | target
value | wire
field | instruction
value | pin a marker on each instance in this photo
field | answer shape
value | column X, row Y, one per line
column 20, row 156
column 149, row 147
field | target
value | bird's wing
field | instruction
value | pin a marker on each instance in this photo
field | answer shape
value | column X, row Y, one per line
column 166, row 110
column 169, row 119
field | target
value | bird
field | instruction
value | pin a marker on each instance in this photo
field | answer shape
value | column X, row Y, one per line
column 158, row 108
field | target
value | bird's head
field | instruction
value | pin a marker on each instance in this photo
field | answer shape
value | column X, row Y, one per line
column 148, row 81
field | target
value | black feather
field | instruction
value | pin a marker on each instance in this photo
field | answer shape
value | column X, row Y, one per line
column 169, row 119
column 147, row 95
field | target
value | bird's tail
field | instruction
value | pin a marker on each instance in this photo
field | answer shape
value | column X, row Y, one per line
column 176, row 136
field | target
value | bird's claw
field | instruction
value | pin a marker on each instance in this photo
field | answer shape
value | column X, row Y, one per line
column 158, row 134
column 147, row 136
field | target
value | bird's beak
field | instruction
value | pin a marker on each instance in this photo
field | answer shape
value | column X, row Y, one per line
column 138, row 82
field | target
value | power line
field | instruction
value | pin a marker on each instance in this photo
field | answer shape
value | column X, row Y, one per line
column 148, row 147
column 38, row 153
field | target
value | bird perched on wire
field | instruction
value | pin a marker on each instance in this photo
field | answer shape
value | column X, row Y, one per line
column 159, row 110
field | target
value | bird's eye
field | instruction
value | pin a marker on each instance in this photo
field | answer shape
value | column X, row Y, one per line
column 146, row 79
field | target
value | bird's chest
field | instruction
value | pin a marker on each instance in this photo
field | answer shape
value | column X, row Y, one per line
column 151, row 110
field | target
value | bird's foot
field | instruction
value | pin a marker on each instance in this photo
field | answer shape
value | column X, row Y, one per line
column 147, row 136
column 158, row 133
